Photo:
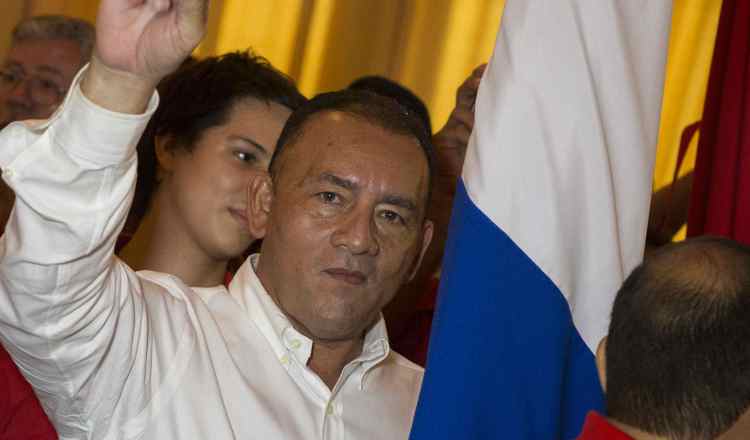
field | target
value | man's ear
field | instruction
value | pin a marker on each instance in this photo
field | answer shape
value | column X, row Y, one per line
column 259, row 201
column 601, row 362
column 165, row 153
column 428, row 228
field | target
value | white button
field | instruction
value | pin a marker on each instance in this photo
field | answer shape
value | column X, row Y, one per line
column 284, row 359
column 8, row 173
column 329, row 409
column 295, row 344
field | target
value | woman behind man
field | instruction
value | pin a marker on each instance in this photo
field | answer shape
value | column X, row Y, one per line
column 218, row 120
column 217, row 123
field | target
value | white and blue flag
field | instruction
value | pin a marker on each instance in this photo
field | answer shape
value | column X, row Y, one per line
column 549, row 218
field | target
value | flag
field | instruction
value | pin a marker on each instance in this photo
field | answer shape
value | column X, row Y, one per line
column 720, row 199
column 549, row 218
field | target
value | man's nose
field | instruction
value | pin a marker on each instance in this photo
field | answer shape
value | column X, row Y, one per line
column 356, row 233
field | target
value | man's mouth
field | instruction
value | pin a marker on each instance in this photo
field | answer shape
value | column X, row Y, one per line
column 352, row 277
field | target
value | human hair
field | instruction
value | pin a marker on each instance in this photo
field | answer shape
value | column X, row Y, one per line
column 57, row 27
column 386, row 87
column 201, row 95
column 677, row 353
column 375, row 109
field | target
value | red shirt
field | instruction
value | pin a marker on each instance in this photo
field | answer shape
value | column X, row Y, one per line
column 413, row 341
column 597, row 427
column 21, row 415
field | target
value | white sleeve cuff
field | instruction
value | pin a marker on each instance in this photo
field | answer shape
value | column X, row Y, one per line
column 93, row 133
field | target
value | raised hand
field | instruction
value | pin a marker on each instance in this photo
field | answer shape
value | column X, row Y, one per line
column 451, row 141
column 138, row 42
column 148, row 38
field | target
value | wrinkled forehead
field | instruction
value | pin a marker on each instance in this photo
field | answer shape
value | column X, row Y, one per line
column 360, row 150
column 61, row 55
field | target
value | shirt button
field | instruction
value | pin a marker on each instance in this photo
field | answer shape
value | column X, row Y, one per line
column 8, row 173
column 295, row 344
column 284, row 359
column 329, row 409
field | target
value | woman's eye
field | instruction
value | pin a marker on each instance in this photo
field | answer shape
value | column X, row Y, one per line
column 245, row 156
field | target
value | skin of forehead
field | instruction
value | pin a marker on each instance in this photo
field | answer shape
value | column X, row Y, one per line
column 59, row 54
column 331, row 117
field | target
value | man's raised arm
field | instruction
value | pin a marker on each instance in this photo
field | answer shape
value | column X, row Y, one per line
column 138, row 42
column 68, row 313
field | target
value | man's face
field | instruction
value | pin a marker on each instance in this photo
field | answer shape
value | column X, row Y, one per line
column 36, row 75
column 346, row 227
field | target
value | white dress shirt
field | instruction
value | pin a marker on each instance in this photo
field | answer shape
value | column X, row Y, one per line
column 115, row 354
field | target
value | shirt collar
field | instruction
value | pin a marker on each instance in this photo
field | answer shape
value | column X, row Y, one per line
column 247, row 289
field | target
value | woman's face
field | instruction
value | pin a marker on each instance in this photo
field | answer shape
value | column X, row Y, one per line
column 207, row 187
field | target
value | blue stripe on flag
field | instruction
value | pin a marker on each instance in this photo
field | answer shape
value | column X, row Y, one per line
column 505, row 359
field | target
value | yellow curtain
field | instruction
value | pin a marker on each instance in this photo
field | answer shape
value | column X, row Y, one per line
column 428, row 45
column 691, row 46
column 77, row 8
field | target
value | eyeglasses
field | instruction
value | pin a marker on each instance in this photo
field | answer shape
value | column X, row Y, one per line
column 43, row 91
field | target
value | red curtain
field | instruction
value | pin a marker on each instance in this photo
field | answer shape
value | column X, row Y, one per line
column 720, row 200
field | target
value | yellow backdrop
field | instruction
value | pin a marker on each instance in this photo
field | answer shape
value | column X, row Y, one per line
column 428, row 45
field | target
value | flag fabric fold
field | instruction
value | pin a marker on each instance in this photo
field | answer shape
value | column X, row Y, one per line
column 549, row 218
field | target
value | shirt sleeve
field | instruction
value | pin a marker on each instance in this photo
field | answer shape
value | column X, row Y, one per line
column 66, row 302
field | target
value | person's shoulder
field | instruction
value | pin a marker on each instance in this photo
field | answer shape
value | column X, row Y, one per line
column 399, row 371
column 401, row 362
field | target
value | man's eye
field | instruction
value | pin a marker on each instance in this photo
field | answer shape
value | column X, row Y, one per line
column 47, row 85
column 9, row 77
column 392, row 217
column 329, row 197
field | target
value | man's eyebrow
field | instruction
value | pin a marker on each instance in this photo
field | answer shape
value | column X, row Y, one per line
column 338, row 181
column 49, row 69
column 252, row 142
column 10, row 64
column 402, row 202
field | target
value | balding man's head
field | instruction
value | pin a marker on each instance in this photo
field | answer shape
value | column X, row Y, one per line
column 677, row 353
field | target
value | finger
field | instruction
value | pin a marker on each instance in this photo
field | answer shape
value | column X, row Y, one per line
column 192, row 16
column 193, row 9
column 159, row 5
column 454, row 135
column 464, row 117
column 467, row 93
column 479, row 70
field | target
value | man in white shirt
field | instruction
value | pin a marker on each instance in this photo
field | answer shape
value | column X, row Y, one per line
column 296, row 348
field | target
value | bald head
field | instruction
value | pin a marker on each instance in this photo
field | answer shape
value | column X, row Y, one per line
column 677, row 353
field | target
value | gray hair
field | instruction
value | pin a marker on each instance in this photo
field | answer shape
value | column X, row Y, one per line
column 57, row 27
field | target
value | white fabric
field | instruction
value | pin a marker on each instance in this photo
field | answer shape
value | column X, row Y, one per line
column 563, row 147
column 115, row 354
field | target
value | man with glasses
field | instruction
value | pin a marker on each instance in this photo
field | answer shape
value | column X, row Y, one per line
column 45, row 54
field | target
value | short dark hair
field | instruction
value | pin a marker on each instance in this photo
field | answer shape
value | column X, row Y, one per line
column 200, row 95
column 678, row 349
column 387, row 87
column 370, row 107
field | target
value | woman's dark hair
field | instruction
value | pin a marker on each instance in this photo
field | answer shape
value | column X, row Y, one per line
column 198, row 96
